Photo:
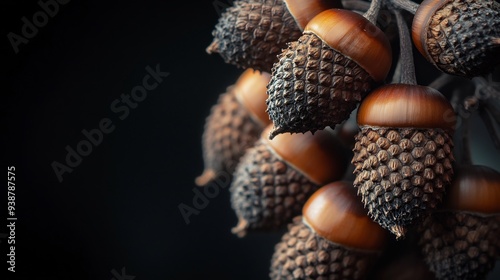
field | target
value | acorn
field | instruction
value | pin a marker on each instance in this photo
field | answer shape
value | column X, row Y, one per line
column 333, row 239
column 275, row 177
column 462, row 240
column 252, row 33
column 320, row 78
column 234, row 124
column 459, row 37
column 403, row 153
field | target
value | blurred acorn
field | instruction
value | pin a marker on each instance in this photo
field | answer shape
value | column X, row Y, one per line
column 334, row 239
column 321, row 77
column 460, row 37
column 403, row 153
column 252, row 33
column 462, row 240
column 275, row 177
column 235, row 124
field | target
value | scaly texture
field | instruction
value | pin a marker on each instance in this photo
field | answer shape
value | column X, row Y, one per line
column 463, row 37
column 401, row 174
column 250, row 34
column 266, row 192
column 313, row 86
column 459, row 245
column 302, row 254
column 229, row 131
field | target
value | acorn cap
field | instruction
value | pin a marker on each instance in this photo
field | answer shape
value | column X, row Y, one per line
column 304, row 10
column 335, row 213
column 459, row 245
column 250, row 90
column 250, row 34
column 459, row 37
column 356, row 37
column 229, row 130
column 303, row 254
column 266, row 192
column 318, row 156
column 475, row 189
column 404, row 105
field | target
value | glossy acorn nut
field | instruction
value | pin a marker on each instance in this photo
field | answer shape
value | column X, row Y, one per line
column 403, row 153
column 250, row 34
column 305, row 10
column 462, row 240
column 334, row 239
column 275, row 177
column 321, row 77
column 234, row 124
column 460, row 37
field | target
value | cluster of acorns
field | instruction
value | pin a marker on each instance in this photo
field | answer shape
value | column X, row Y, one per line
column 309, row 64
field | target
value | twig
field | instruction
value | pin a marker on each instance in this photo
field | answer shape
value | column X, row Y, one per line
column 406, row 54
column 406, row 5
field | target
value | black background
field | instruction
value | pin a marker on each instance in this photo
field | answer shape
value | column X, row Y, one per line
column 119, row 207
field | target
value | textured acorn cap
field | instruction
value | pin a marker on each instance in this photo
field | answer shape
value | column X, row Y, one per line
column 304, row 10
column 402, row 173
column 404, row 105
column 274, row 178
column 334, row 212
column 317, row 156
column 250, row 34
column 313, row 87
column 460, row 245
column 250, row 90
column 266, row 192
column 459, row 37
column 355, row 37
column 475, row 189
column 462, row 240
column 234, row 124
column 302, row 254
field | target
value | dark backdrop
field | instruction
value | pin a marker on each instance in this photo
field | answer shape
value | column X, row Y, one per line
column 118, row 209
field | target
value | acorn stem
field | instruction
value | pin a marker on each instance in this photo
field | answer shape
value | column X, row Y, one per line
column 486, row 117
column 396, row 77
column 485, row 89
column 406, row 54
column 442, row 81
column 406, row 5
column 356, row 5
column 372, row 13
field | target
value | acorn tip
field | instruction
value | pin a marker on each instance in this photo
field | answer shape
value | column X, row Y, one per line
column 241, row 228
column 213, row 48
column 399, row 231
column 207, row 176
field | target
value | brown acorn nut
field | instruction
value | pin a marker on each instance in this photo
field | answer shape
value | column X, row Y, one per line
column 322, row 77
column 305, row 10
column 235, row 123
column 462, row 240
column 334, row 239
column 460, row 37
column 403, row 153
column 274, row 178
